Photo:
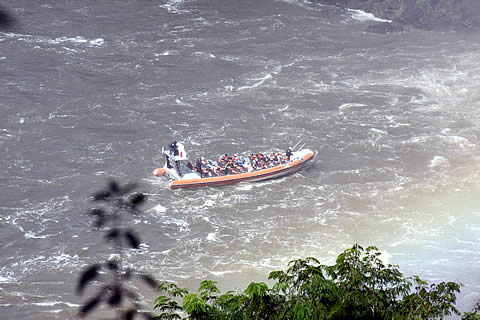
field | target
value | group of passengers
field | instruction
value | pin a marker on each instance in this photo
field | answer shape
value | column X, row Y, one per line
column 224, row 165
column 235, row 164
column 261, row 161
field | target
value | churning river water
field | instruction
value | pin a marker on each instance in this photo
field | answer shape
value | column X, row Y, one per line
column 91, row 90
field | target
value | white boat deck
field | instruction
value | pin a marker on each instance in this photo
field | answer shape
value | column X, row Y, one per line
column 186, row 172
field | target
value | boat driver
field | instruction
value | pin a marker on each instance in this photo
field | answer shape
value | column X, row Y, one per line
column 289, row 153
column 174, row 148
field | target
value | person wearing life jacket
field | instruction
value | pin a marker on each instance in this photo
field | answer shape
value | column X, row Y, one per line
column 240, row 163
column 198, row 166
column 289, row 153
column 173, row 148
column 167, row 160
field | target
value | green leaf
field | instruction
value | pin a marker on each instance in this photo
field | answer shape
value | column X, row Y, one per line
column 207, row 288
column 256, row 290
column 194, row 305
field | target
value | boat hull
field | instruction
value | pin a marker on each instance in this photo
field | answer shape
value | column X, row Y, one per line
column 259, row 175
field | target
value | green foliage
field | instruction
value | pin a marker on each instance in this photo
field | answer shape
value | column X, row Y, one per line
column 207, row 289
column 358, row 286
column 195, row 306
column 474, row 315
column 368, row 288
column 231, row 306
column 431, row 302
column 261, row 303
column 309, row 293
column 471, row 316
column 168, row 307
column 256, row 290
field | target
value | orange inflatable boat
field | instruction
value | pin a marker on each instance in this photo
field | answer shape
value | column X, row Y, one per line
column 228, row 169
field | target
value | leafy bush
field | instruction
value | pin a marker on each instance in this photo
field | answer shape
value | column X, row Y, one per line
column 358, row 286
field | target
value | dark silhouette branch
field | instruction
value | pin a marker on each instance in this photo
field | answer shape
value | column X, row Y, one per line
column 115, row 201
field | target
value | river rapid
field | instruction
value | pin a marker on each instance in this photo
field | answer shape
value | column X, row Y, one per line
column 92, row 89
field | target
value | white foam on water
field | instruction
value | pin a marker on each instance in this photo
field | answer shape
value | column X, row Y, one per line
column 207, row 55
column 457, row 141
column 167, row 53
column 31, row 235
column 262, row 184
column 180, row 29
column 54, row 115
column 393, row 123
column 463, row 242
column 209, row 203
column 5, row 133
column 353, row 213
column 174, row 6
column 182, row 224
column 53, row 303
column 266, row 264
column 381, row 132
column 398, row 243
column 52, row 311
column 463, row 251
column 257, row 82
column 244, row 186
column 225, row 272
column 78, row 40
column 439, row 161
column 261, row 207
column 6, row 279
column 159, row 208
column 305, row 4
column 451, row 220
column 34, row 221
column 460, row 144
column 346, row 106
column 212, row 236
column 363, row 16
column 58, row 261
column 180, row 102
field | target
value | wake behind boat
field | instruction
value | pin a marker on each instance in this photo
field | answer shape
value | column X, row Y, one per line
column 228, row 169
